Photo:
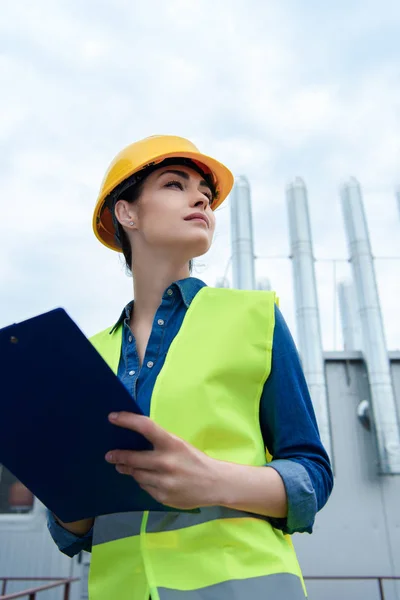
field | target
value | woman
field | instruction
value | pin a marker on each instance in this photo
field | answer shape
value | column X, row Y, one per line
column 218, row 373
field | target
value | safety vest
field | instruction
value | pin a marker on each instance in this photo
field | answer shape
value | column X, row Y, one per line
column 208, row 393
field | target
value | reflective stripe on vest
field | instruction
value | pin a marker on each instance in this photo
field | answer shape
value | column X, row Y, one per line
column 207, row 393
column 122, row 525
column 281, row 586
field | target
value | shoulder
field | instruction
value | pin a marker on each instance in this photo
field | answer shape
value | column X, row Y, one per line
column 241, row 303
column 283, row 339
column 254, row 296
column 280, row 322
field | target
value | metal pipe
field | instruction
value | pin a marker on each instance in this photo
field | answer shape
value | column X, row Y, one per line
column 67, row 590
column 307, row 313
column 373, row 336
column 242, row 236
column 31, row 592
column 263, row 283
column 222, row 282
column 350, row 317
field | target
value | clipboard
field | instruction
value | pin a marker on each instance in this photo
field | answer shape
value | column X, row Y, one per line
column 56, row 394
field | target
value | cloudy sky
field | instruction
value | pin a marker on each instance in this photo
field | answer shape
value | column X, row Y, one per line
column 274, row 89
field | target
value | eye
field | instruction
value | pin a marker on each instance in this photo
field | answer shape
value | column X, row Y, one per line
column 210, row 197
column 177, row 184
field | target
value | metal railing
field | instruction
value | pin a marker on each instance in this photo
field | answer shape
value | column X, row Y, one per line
column 31, row 592
column 379, row 580
column 58, row 581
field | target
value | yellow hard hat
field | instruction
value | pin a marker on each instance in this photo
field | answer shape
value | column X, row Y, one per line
column 147, row 153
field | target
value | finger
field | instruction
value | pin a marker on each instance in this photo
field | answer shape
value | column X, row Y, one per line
column 143, row 478
column 146, row 478
column 123, row 469
column 146, row 459
column 144, row 425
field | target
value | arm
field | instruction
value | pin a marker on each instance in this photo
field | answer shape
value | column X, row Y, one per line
column 291, row 435
column 73, row 540
column 251, row 489
column 179, row 475
column 79, row 528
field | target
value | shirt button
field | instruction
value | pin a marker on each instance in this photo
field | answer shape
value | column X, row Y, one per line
column 150, row 364
column 132, row 372
column 130, row 338
column 160, row 322
column 170, row 292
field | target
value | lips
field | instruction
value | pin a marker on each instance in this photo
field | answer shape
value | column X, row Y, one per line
column 198, row 216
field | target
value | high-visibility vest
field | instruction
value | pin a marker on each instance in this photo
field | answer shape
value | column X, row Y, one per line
column 208, row 393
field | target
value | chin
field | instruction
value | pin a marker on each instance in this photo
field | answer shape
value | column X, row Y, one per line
column 198, row 253
column 198, row 249
column 190, row 246
column 201, row 247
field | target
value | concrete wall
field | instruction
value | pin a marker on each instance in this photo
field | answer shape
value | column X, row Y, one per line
column 358, row 532
column 27, row 550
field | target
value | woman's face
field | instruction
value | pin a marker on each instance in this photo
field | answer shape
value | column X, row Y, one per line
column 173, row 213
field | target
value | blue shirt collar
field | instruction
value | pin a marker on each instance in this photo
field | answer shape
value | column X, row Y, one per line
column 187, row 288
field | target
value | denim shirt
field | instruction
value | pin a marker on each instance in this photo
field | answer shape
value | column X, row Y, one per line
column 287, row 418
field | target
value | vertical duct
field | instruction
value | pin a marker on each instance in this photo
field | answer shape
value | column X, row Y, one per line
column 350, row 316
column 307, row 313
column 242, row 236
column 373, row 336
column 264, row 284
column 222, row 282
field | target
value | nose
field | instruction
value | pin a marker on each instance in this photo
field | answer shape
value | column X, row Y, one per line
column 199, row 200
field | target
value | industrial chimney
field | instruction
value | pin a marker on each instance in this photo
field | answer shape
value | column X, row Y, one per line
column 222, row 282
column 264, row 284
column 350, row 316
column 307, row 313
column 373, row 336
column 242, row 236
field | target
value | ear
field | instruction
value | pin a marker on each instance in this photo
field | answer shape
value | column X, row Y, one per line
column 125, row 213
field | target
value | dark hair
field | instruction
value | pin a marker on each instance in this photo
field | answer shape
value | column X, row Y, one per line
column 131, row 189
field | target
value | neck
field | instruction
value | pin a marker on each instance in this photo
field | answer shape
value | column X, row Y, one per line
column 150, row 281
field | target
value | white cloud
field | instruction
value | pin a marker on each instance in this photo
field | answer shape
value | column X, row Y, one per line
column 276, row 91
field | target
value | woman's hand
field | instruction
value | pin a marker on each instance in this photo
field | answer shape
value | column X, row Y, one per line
column 174, row 472
column 181, row 476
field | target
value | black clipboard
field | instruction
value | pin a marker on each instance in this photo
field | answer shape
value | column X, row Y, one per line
column 56, row 394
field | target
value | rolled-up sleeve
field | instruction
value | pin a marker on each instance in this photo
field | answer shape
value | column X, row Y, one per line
column 68, row 543
column 291, row 435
